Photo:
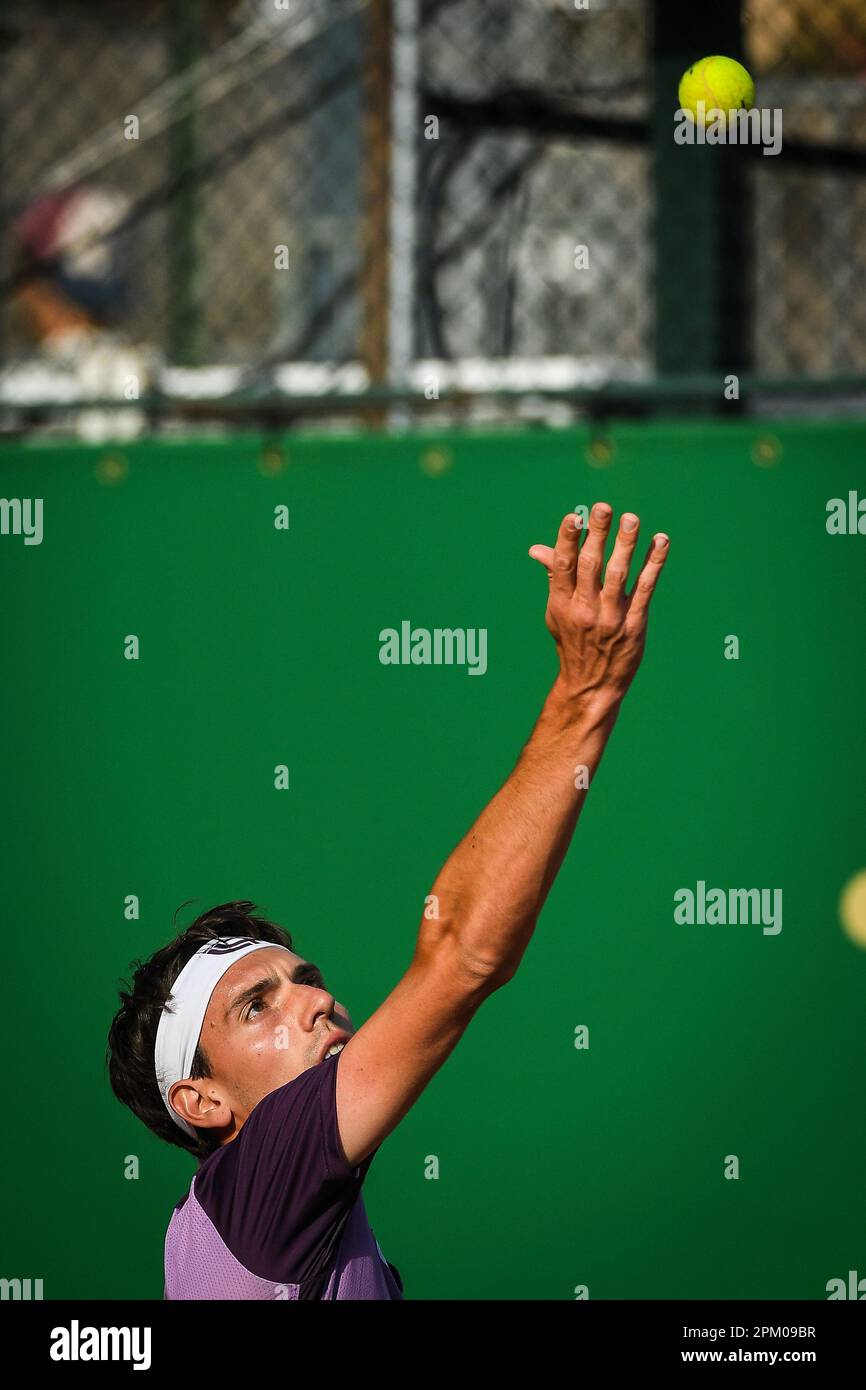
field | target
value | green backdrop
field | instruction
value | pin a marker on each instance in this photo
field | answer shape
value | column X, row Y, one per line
column 558, row 1167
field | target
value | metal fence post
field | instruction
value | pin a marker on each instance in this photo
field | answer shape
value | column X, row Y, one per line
column 185, row 21
column 376, row 154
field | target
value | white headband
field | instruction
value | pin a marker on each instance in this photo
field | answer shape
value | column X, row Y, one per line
column 179, row 1029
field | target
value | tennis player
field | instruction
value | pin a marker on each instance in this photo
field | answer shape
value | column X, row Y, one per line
column 230, row 1044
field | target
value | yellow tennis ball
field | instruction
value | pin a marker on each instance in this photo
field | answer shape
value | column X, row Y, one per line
column 722, row 84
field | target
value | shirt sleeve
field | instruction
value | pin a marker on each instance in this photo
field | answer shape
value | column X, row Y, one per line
column 279, row 1191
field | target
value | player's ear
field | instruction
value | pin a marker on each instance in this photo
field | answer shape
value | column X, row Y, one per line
column 197, row 1107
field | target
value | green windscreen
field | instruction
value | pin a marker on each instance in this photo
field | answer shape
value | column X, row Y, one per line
column 707, row 1140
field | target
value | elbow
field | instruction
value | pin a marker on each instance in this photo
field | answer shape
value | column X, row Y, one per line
column 490, row 973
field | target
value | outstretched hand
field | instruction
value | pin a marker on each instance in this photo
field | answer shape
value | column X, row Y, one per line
column 599, row 629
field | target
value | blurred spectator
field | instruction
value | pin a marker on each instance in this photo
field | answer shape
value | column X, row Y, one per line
column 72, row 294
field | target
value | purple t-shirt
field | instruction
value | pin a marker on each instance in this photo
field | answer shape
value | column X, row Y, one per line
column 278, row 1212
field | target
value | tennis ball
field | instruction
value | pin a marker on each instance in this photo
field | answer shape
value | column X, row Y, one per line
column 721, row 84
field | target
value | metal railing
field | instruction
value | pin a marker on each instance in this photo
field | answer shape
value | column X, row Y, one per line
column 217, row 210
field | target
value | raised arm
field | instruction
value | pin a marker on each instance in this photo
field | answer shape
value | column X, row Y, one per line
column 493, row 886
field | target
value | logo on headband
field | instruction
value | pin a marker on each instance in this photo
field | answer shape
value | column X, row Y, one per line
column 223, row 947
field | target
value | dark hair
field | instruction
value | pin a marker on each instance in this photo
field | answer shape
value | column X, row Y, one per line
column 132, row 1035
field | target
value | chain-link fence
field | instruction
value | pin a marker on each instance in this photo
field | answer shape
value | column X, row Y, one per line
column 225, row 208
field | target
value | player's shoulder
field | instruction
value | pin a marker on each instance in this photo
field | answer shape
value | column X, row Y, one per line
column 277, row 1123
column 283, row 1175
column 295, row 1097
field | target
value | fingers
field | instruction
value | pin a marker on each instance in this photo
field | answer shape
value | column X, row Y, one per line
column 589, row 565
column 616, row 574
column 648, row 577
column 561, row 561
column 544, row 554
column 573, row 570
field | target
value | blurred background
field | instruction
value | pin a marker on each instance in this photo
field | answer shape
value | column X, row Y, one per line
column 223, row 212
column 321, row 261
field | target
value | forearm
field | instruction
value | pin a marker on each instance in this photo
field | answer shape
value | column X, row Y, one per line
column 492, row 888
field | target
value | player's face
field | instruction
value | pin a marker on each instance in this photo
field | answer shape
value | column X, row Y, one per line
column 269, row 1019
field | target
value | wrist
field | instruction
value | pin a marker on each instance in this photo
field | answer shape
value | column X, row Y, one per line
column 582, row 704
